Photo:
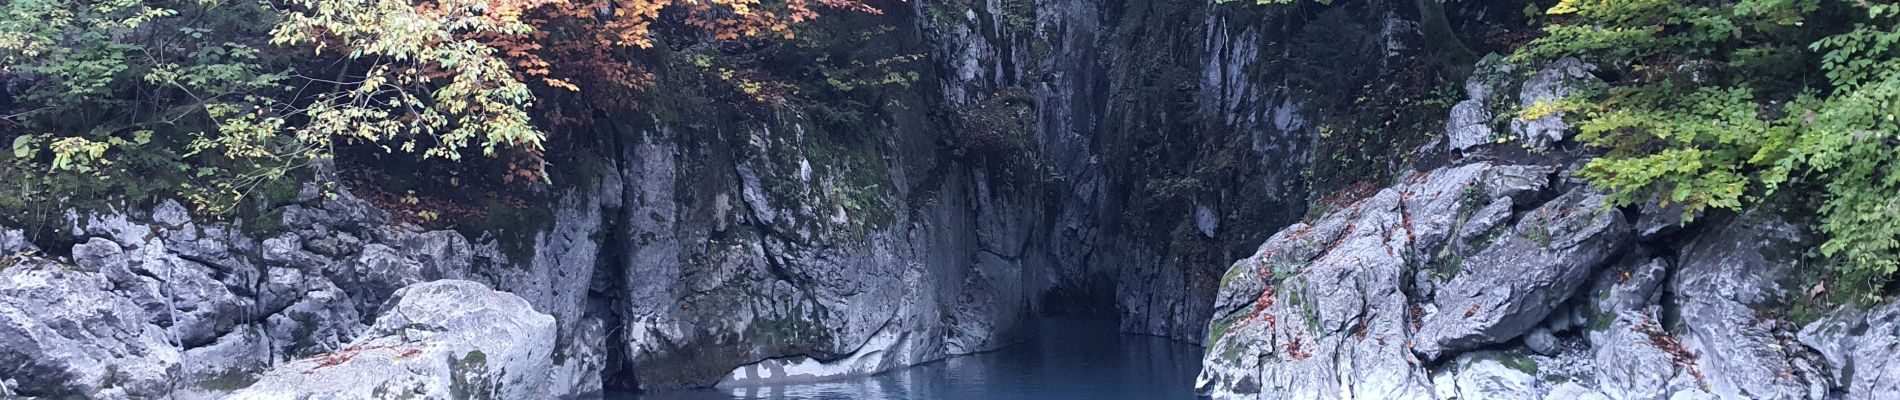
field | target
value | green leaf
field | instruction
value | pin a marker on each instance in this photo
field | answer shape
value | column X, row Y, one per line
column 23, row 147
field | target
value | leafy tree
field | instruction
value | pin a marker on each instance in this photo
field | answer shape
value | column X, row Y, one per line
column 1714, row 107
column 220, row 99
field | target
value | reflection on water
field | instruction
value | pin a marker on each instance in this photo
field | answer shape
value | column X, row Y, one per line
column 1068, row 358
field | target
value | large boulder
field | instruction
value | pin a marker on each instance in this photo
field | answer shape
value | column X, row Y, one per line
column 1522, row 277
column 64, row 332
column 1320, row 311
column 1862, row 349
column 435, row 340
column 1724, row 280
column 1635, row 357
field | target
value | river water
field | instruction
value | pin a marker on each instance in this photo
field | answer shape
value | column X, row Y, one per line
column 1067, row 358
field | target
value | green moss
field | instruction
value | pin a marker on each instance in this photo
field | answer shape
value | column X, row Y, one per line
column 228, row 381
column 468, row 377
column 1019, row 15
column 1233, row 351
column 1222, row 325
column 1538, row 234
column 515, row 228
column 1601, row 319
column 1519, row 362
column 1227, row 279
column 946, row 13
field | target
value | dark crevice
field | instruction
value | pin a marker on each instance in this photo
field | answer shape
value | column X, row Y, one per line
column 605, row 293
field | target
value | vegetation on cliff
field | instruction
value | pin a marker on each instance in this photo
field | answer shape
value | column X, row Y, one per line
column 1722, row 105
column 217, row 100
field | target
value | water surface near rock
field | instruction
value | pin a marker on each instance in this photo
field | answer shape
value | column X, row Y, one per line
column 1066, row 358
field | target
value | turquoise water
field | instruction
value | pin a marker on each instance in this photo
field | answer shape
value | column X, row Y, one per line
column 1068, row 358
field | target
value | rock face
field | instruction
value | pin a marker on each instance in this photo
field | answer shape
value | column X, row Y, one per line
column 1860, row 348
column 759, row 247
column 1415, row 292
column 1321, row 310
column 1478, row 280
column 435, row 340
column 1507, row 288
column 1723, row 279
column 164, row 305
column 66, row 332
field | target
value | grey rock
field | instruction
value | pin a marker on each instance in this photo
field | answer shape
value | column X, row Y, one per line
column 1485, row 376
column 1469, row 126
column 436, row 340
column 1554, row 82
column 1629, row 365
column 1483, row 222
column 376, row 274
column 1285, row 316
column 1862, row 349
column 1721, row 277
column 170, row 214
column 1657, row 221
column 1693, row 395
column 118, row 227
column 1206, row 220
column 230, row 363
column 1507, row 288
column 14, row 241
column 1485, row 80
column 64, row 332
column 316, row 317
column 1542, row 341
column 1631, row 285
column 1317, row 312
column 1574, row 391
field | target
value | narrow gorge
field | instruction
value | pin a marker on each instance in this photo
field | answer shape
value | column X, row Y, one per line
column 1334, row 201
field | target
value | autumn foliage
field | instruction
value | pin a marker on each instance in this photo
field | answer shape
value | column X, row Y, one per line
column 214, row 101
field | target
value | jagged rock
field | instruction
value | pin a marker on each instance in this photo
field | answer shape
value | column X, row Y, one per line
column 1721, row 277
column 1631, row 285
column 1656, row 221
column 1862, row 349
column 1510, row 286
column 1318, row 312
column 435, row 340
column 316, row 316
column 183, row 296
column 14, row 241
column 64, row 332
column 1556, row 81
column 170, row 214
column 1284, row 315
column 1631, row 365
column 1468, row 126
column 580, row 357
column 1634, row 356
